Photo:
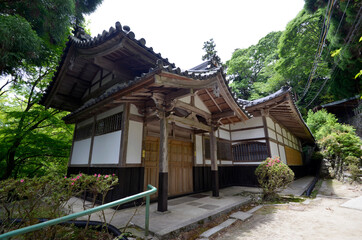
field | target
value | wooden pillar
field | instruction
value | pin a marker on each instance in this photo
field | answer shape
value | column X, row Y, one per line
column 163, row 164
column 213, row 156
column 264, row 114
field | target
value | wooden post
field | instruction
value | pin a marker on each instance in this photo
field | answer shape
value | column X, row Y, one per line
column 163, row 174
column 264, row 114
column 213, row 156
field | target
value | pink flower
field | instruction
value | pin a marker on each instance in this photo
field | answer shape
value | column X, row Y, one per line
column 22, row 180
column 72, row 183
column 99, row 174
column 113, row 174
column 95, row 174
column 106, row 176
column 65, row 177
column 80, row 174
column 77, row 177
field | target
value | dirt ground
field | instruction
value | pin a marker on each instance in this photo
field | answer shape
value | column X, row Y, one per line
column 318, row 218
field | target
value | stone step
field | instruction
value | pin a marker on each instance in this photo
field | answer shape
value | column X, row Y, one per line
column 216, row 229
column 241, row 215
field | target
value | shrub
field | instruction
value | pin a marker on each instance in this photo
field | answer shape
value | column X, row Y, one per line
column 273, row 175
column 46, row 197
column 353, row 167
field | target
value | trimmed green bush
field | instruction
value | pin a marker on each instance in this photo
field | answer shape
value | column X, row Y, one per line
column 273, row 175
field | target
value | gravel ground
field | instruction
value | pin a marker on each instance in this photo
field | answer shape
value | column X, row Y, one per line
column 319, row 218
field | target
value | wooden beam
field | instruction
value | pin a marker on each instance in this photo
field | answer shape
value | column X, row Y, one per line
column 186, row 106
column 227, row 114
column 189, row 122
column 212, row 99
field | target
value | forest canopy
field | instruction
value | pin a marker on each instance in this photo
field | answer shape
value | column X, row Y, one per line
column 318, row 54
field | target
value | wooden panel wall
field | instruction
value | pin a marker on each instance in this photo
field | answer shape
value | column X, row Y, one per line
column 294, row 157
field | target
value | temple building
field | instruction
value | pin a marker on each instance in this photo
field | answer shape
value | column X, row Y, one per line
column 140, row 117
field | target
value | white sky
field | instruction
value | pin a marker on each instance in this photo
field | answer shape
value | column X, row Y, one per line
column 178, row 29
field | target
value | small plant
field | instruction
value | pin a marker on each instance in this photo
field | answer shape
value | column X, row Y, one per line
column 273, row 175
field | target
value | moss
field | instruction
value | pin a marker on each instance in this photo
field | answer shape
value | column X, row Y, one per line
column 316, row 189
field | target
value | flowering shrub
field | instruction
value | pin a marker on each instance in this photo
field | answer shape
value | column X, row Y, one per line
column 46, row 197
column 273, row 175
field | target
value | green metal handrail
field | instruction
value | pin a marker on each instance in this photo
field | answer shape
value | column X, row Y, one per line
column 151, row 190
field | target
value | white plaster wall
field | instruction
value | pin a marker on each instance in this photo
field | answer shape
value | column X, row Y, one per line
column 248, row 134
column 106, row 148
column 254, row 122
column 226, row 162
column 80, row 154
column 200, row 104
column 284, row 132
column 186, row 99
column 133, row 110
column 224, row 134
column 199, row 149
column 273, row 149
column 270, row 122
column 134, row 144
column 208, row 162
column 110, row 112
column 278, row 129
column 282, row 154
column 271, row 134
column 279, row 138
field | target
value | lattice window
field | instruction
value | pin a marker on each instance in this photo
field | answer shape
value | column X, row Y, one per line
column 250, row 152
column 223, row 150
column 109, row 124
column 83, row 132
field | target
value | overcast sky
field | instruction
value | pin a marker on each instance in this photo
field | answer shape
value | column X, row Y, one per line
column 178, row 29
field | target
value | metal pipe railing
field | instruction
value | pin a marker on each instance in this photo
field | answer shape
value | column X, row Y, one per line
column 151, row 190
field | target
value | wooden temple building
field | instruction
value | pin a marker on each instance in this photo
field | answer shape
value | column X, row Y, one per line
column 140, row 117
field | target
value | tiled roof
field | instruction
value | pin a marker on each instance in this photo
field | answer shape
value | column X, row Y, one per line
column 84, row 41
column 278, row 93
column 160, row 67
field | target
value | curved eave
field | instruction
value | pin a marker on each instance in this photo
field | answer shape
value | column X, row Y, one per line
column 282, row 108
column 101, row 49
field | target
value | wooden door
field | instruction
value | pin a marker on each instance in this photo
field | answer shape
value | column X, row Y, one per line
column 180, row 167
column 152, row 155
column 180, row 160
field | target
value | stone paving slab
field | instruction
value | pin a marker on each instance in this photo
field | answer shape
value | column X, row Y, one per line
column 355, row 203
column 218, row 228
column 241, row 215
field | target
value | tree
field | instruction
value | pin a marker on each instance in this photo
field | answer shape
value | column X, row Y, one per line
column 342, row 39
column 250, row 68
column 31, row 30
column 32, row 36
column 337, row 141
column 211, row 53
column 32, row 139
